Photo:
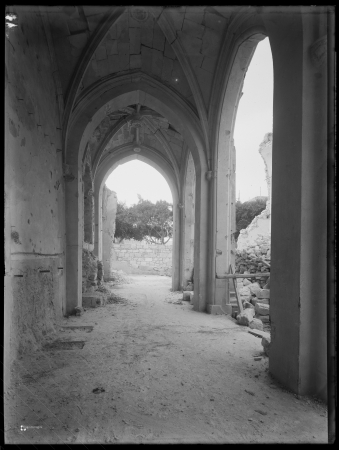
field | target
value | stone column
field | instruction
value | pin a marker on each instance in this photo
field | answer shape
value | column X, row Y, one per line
column 74, row 236
column 98, row 194
column 176, row 244
column 265, row 150
column 201, row 240
column 188, row 256
column 109, row 210
column 225, row 172
column 298, row 353
column 225, row 242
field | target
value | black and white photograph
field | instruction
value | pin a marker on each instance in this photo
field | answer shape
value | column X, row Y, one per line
column 169, row 225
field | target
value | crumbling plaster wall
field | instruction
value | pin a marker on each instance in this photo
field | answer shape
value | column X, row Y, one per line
column 34, row 190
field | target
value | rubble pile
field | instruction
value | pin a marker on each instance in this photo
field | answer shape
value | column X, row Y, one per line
column 256, row 304
column 252, row 259
column 92, row 271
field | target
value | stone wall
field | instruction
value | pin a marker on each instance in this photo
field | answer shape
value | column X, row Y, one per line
column 34, row 189
column 141, row 257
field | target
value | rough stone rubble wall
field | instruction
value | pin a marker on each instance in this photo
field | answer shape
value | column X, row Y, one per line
column 34, row 189
column 254, row 243
column 142, row 257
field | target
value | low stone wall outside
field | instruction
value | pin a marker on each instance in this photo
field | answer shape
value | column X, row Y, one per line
column 141, row 257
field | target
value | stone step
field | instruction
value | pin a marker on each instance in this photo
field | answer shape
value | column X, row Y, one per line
column 92, row 300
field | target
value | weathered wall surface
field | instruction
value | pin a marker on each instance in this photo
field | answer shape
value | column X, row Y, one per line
column 109, row 211
column 257, row 229
column 265, row 150
column 141, row 257
column 34, row 189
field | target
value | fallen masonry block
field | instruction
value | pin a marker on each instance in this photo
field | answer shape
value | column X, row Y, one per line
column 78, row 310
column 262, row 309
column 263, row 293
column 265, row 342
column 254, row 288
column 256, row 324
column 247, row 304
column 246, row 316
column 255, row 300
column 92, row 300
column 244, row 292
column 264, row 319
column 186, row 296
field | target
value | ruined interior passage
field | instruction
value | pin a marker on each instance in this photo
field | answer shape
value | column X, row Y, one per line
column 88, row 88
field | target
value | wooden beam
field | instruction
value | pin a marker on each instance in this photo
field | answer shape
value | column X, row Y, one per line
column 241, row 275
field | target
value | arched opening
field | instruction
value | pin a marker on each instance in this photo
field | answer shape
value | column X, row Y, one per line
column 226, row 169
column 253, row 143
column 143, row 247
column 104, row 171
column 96, row 106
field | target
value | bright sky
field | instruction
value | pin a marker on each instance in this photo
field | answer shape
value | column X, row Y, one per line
column 136, row 177
column 254, row 120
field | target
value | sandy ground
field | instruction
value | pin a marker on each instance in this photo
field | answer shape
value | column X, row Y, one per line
column 165, row 374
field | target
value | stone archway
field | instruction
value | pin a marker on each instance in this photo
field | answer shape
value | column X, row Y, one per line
column 146, row 92
column 225, row 163
column 149, row 157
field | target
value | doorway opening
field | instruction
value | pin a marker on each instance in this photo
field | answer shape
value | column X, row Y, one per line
column 142, row 203
column 253, row 141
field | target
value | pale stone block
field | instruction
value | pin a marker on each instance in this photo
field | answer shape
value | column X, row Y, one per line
column 264, row 319
column 255, row 300
column 247, row 304
column 245, row 317
column 256, row 324
column 263, row 293
column 91, row 300
column 262, row 309
column 254, row 288
column 186, row 296
column 244, row 291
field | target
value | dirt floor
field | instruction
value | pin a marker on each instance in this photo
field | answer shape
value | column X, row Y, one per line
column 153, row 371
